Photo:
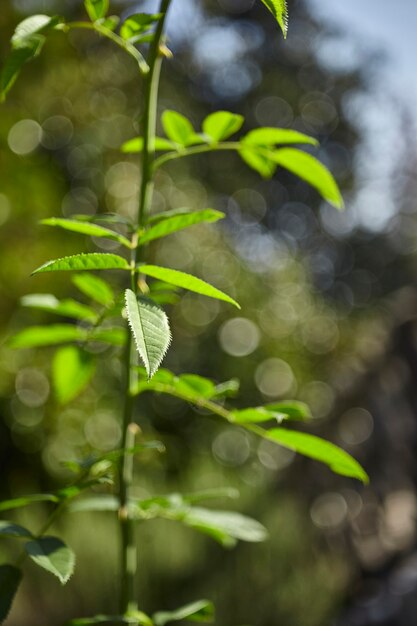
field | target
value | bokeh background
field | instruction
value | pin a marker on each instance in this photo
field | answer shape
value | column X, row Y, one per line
column 329, row 308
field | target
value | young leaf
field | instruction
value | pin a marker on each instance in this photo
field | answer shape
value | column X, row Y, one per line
column 8, row 529
column 279, row 10
column 178, row 128
column 309, row 445
column 221, row 125
column 53, row 555
column 257, row 415
column 26, row 51
column 67, row 308
column 160, row 144
column 33, row 25
column 137, row 24
column 312, row 171
column 186, row 281
column 91, row 261
column 72, row 370
column 86, row 228
column 96, row 9
column 224, row 526
column 292, row 409
column 173, row 224
column 199, row 611
column 39, row 336
column 150, row 328
column 269, row 137
column 95, row 288
column 257, row 160
column 10, row 579
column 18, row 503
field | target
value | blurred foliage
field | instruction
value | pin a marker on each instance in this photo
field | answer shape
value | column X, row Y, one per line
column 320, row 295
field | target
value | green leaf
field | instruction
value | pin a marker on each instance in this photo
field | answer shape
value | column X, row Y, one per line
column 269, row 136
column 95, row 288
column 258, row 161
column 18, row 503
column 173, row 224
column 111, row 22
column 67, row 308
column 279, row 10
column 137, row 24
column 178, row 128
column 8, row 529
column 33, row 25
column 38, row 336
column 312, row 171
column 96, row 9
column 160, row 144
column 186, row 281
column 221, row 125
column 91, row 261
column 98, row 504
column 136, row 618
column 86, row 228
column 292, row 409
column 10, row 579
column 16, row 60
column 53, row 555
column 224, row 526
column 114, row 336
column 150, row 328
column 257, row 415
column 199, row 611
column 309, row 445
column 72, row 370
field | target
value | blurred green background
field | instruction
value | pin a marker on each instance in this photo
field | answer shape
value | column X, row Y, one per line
column 328, row 316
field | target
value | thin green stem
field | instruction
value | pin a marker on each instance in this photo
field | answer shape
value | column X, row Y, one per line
column 119, row 41
column 195, row 150
column 129, row 563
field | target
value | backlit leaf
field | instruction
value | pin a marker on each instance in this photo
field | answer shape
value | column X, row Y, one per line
column 199, row 611
column 150, row 328
column 96, row 9
column 86, row 228
column 269, row 136
column 38, row 336
column 258, row 161
column 221, row 125
column 72, row 370
column 293, row 409
column 137, row 24
column 279, row 10
column 186, row 281
column 67, row 308
column 53, row 555
column 160, row 144
column 95, row 288
column 224, row 526
column 337, row 459
column 10, row 578
column 173, row 224
column 312, row 171
column 92, row 261
column 178, row 128
column 18, row 503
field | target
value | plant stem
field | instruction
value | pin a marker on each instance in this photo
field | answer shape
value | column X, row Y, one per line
column 129, row 559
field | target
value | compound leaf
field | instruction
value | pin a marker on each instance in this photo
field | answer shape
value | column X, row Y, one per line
column 178, row 222
column 10, row 579
column 221, row 125
column 316, row 448
column 53, row 555
column 186, row 281
column 150, row 328
column 72, row 370
column 91, row 261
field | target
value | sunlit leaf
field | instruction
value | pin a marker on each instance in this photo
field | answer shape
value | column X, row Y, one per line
column 221, row 125
column 96, row 9
column 53, row 555
column 312, row 171
column 115, row 336
column 292, row 409
column 8, row 529
column 33, row 25
column 95, row 288
column 86, row 228
column 186, row 281
column 309, row 445
column 269, row 136
column 72, row 370
column 179, row 129
column 67, row 308
column 199, row 611
column 38, row 336
column 258, row 161
column 257, row 414
column 137, row 24
column 150, row 328
column 175, row 223
column 91, row 261
column 18, row 503
column 10, row 579
column 279, row 10
column 160, row 144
